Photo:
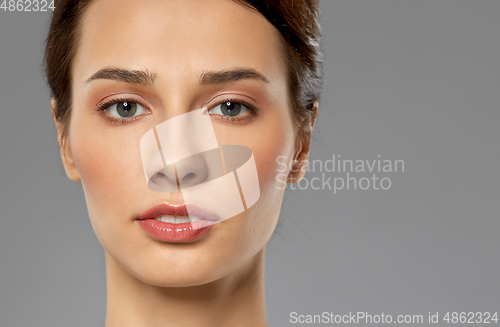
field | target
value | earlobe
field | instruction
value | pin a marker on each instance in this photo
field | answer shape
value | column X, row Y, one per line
column 299, row 160
column 64, row 147
column 68, row 163
column 303, row 143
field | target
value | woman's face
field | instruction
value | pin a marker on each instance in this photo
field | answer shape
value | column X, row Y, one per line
column 176, row 42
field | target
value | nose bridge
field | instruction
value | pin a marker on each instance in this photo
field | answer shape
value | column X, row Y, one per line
column 176, row 85
column 186, row 135
column 186, row 142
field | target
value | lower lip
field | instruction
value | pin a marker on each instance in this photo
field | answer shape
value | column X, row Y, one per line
column 175, row 233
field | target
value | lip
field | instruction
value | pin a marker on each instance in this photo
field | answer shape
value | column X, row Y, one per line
column 176, row 233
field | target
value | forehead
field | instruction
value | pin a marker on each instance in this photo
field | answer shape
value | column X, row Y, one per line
column 176, row 37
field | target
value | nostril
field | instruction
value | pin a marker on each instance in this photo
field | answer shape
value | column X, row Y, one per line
column 188, row 177
column 158, row 177
column 162, row 182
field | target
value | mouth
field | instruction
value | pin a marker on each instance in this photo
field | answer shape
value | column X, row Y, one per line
column 176, row 223
column 177, row 219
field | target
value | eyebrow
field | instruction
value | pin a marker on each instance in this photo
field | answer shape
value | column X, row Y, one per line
column 224, row 76
column 142, row 77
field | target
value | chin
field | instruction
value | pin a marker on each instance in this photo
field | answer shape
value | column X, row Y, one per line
column 178, row 277
column 166, row 273
column 226, row 248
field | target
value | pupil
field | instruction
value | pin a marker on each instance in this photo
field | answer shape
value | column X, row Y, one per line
column 126, row 109
column 230, row 108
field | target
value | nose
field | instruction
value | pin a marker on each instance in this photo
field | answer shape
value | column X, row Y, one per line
column 192, row 170
column 181, row 152
column 163, row 179
column 159, row 177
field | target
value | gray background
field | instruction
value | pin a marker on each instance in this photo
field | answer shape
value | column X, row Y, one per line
column 411, row 80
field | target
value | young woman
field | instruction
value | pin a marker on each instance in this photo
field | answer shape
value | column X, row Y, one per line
column 117, row 69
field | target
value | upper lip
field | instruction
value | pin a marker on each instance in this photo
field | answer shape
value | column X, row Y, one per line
column 176, row 210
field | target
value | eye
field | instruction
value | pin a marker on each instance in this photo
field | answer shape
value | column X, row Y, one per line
column 126, row 109
column 229, row 109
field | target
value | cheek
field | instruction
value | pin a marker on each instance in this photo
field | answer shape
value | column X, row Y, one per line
column 270, row 144
column 110, row 168
column 270, row 138
column 277, row 140
column 268, row 167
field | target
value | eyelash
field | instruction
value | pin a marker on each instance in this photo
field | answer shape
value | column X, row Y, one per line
column 252, row 110
column 103, row 106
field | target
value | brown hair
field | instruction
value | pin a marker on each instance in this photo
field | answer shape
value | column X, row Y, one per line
column 297, row 22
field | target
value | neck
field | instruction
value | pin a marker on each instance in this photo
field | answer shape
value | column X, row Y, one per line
column 235, row 299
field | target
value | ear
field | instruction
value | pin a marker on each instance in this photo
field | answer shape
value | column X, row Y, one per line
column 64, row 147
column 302, row 147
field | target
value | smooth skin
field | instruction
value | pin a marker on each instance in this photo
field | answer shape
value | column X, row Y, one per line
column 218, row 279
